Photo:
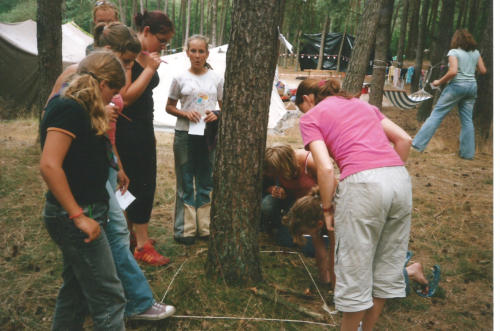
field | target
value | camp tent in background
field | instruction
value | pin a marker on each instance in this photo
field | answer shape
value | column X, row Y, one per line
column 19, row 83
column 310, row 45
column 179, row 62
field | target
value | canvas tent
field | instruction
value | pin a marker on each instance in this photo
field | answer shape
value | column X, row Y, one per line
column 19, row 83
column 309, row 53
column 180, row 62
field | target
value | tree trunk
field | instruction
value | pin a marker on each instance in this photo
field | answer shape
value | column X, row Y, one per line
column 422, row 31
column 182, row 21
column 233, row 251
column 213, row 38
column 134, row 10
column 299, row 34
column 473, row 10
column 142, row 6
column 432, row 23
column 395, row 17
column 165, row 8
column 438, row 55
column 402, row 32
column 382, row 42
column 413, row 32
column 362, row 48
column 202, row 15
column 49, row 43
column 188, row 21
column 483, row 112
column 173, row 21
column 326, row 27
column 225, row 4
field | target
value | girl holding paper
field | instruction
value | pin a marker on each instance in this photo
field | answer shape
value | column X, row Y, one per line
column 199, row 89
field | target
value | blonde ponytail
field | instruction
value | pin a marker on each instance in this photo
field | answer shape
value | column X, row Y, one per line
column 85, row 89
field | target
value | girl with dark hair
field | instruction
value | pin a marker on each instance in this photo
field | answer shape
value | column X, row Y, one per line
column 199, row 89
column 373, row 198
column 463, row 61
column 135, row 139
column 74, row 164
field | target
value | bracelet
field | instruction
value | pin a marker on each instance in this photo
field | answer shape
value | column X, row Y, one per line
column 328, row 210
column 79, row 213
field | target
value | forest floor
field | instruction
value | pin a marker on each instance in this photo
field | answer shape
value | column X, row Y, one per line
column 452, row 225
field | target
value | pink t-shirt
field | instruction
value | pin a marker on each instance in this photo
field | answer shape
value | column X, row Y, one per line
column 352, row 132
column 118, row 101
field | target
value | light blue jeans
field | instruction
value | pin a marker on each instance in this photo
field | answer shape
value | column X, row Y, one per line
column 136, row 287
column 464, row 95
column 90, row 283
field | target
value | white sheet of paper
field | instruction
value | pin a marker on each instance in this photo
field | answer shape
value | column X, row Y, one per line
column 124, row 200
column 197, row 129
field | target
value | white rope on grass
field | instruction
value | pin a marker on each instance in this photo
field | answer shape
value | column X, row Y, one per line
column 258, row 319
column 173, row 278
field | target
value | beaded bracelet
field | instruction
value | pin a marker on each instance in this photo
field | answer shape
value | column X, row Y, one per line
column 79, row 213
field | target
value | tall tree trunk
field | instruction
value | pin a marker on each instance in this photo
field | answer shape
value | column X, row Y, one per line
column 173, row 20
column 483, row 110
column 473, row 10
column 432, row 23
column 49, row 43
column 182, row 21
column 395, row 17
column 363, row 47
column 165, row 7
column 422, row 31
column 225, row 4
column 233, row 251
column 213, row 38
column 202, row 15
column 134, row 10
column 382, row 42
column 326, row 27
column 402, row 32
column 141, row 3
column 438, row 55
column 188, row 20
column 158, row 5
column 413, row 32
column 297, row 51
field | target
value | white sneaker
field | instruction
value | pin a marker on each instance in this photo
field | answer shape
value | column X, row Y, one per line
column 157, row 311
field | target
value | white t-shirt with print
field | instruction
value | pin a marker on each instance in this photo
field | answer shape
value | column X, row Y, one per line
column 196, row 92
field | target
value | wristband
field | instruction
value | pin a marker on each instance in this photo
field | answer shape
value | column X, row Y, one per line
column 79, row 213
column 328, row 210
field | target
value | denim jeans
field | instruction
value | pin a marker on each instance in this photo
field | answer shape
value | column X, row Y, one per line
column 90, row 284
column 136, row 287
column 272, row 211
column 464, row 95
column 193, row 171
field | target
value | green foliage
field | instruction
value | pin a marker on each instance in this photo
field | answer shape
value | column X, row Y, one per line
column 79, row 11
column 17, row 11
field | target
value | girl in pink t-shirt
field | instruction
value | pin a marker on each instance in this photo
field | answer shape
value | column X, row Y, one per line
column 372, row 201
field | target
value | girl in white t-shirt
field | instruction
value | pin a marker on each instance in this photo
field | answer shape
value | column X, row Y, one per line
column 199, row 89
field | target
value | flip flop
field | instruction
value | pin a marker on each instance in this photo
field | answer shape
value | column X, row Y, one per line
column 409, row 255
column 433, row 283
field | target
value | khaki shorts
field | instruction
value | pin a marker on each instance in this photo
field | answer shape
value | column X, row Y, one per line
column 372, row 228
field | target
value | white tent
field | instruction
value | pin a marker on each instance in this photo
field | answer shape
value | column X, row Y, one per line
column 20, row 78
column 179, row 62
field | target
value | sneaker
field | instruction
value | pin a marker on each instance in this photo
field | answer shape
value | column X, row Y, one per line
column 157, row 311
column 149, row 255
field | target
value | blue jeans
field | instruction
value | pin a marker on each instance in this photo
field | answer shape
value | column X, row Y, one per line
column 136, row 287
column 90, row 284
column 272, row 211
column 464, row 95
column 193, row 169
